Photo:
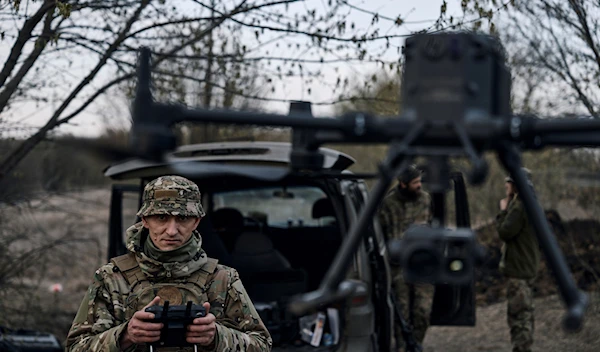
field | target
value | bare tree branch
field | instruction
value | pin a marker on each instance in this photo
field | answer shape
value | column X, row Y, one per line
column 24, row 148
column 40, row 45
column 155, row 63
column 567, row 75
column 22, row 38
column 586, row 34
column 558, row 35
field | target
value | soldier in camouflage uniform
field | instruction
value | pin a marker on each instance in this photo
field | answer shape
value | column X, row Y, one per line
column 166, row 263
column 519, row 263
column 405, row 205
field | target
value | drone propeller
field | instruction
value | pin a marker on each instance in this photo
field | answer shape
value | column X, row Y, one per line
column 101, row 150
column 150, row 136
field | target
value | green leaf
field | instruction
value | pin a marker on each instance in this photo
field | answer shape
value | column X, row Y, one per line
column 64, row 9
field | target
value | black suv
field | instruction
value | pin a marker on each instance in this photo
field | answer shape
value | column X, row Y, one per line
column 281, row 231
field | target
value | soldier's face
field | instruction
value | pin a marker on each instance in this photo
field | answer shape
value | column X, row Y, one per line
column 413, row 186
column 510, row 189
column 169, row 232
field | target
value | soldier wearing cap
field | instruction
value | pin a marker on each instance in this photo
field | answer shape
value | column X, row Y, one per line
column 408, row 204
column 519, row 264
column 166, row 262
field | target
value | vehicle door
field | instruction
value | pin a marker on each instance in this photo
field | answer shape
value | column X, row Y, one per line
column 379, row 263
column 454, row 305
column 116, row 244
column 372, row 270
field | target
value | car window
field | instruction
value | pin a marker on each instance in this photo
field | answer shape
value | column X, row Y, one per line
column 280, row 206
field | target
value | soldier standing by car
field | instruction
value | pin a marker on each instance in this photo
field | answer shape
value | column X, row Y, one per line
column 166, row 263
column 405, row 205
column 519, row 263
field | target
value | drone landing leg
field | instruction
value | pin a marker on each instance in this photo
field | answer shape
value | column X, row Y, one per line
column 575, row 300
column 330, row 287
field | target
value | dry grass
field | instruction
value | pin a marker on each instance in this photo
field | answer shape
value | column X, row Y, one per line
column 491, row 331
column 64, row 237
column 84, row 216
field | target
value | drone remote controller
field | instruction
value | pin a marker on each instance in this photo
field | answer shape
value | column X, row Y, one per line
column 175, row 320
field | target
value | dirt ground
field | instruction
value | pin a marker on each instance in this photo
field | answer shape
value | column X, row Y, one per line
column 87, row 214
column 491, row 331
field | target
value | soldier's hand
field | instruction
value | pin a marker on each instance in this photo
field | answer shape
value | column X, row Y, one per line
column 504, row 203
column 139, row 329
column 202, row 330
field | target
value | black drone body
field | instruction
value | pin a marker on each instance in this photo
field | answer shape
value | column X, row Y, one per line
column 456, row 91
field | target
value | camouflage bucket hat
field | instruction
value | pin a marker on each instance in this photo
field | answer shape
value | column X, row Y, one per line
column 171, row 195
column 527, row 173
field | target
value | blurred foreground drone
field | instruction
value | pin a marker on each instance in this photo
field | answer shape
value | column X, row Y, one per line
column 455, row 94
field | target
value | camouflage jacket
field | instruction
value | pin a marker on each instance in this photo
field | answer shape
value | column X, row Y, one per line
column 113, row 298
column 398, row 212
column 520, row 251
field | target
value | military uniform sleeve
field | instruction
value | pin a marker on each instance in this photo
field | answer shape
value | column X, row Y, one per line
column 509, row 222
column 95, row 327
column 384, row 219
column 240, row 327
column 428, row 208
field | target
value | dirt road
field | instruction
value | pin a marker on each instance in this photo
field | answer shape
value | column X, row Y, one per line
column 491, row 331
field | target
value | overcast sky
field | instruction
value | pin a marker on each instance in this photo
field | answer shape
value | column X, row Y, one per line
column 418, row 15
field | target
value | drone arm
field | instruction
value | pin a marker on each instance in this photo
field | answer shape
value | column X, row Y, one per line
column 580, row 139
column 142, row 104
column 536, row 133
column 566, row 125
column 225, row 116
column 480, row 168
column 331, row 284
column 575, row 300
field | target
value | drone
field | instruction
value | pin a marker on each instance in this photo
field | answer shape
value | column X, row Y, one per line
column 456, row 103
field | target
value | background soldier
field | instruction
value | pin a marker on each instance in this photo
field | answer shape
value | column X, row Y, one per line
column 405, row 205
column 519, row 263
column 166, row 262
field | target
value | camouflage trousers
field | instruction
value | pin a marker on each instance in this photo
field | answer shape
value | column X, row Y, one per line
column 423, row 299
column 519, row 296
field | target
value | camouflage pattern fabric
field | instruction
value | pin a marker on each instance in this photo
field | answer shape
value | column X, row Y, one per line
column 111, row 301
column 519, row 295
column 397, row 213
column 171, row 195
column 423, row 300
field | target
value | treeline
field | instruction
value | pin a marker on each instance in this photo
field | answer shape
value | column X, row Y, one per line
column 564, row 179
column 55, row 166
column 58, row 166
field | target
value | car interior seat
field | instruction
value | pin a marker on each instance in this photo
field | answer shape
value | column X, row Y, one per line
column 229, row 224
column 266, row 273
column 254, row 252
column 322, row 210
column 270, row 282
column 212, row 243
